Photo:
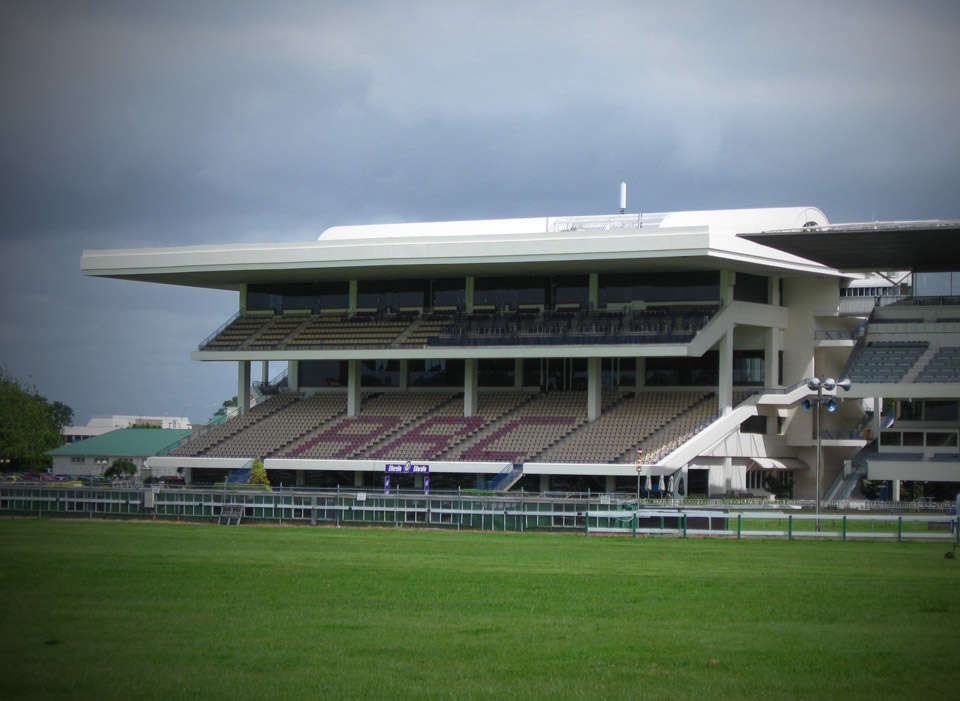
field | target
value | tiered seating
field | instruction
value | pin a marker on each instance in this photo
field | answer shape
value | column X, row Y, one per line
column 528, row 430
column 282, row 428
column 424, row 329
column 274, row 333
column 381, row 417
column 239, row 331
column 676, row 432
column 614, row 436
column 447, row 427
column 942, row 367
column 336, row 331
column 218, row 434
column 885, row 361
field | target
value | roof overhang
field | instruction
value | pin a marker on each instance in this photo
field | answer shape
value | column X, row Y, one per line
column 232, row 265
column 920, row 246
column 780, row 464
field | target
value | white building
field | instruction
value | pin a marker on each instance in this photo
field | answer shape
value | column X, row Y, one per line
column 545, row 352
column 99, row 425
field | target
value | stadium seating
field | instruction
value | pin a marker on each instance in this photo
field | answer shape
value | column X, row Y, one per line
column 885, row 361
column 944, row 366
column 215, row 435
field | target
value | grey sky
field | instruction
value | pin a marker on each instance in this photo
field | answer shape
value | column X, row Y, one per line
column 133, row 124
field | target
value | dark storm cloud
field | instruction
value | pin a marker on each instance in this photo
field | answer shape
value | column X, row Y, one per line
column 132, row 124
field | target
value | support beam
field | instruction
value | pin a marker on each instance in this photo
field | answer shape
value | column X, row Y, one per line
column 243, row 386
column 610, row 484
column 544, row 483
column 352, row 297
column 594, row 385
column 301, row 477
column 470, row 387
column 243, row 297
column 293, row 375
column 357, row 478
column 265, row 371
column 468, row 295
column 353, row 387
column 773, row 344
column 594, row 290
column 641, row 373
column 725, row 388
column 517, row 373
column 896, row 490
column 728, row 279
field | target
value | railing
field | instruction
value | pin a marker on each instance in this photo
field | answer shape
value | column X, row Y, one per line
column 513, row 511
column 204, row 342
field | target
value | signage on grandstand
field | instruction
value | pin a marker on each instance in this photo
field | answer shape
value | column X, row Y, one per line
column 397, row 468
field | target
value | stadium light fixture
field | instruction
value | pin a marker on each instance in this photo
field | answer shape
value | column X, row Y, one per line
column 818, row 385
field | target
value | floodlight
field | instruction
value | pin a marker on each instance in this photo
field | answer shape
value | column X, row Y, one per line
column 845, row 384
column 806, row 404
column 814, row 383
column 829, row 384
column 832, row 405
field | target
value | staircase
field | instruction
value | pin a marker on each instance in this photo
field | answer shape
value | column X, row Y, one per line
column 505, row 480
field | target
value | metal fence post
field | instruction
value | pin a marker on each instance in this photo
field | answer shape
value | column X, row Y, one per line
column 844, row 531
column 789, row 526
column 739, row 526
column 636, row 518
column 899, row 529
column 684, row 525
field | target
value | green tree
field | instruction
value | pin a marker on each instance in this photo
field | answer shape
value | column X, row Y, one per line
column 29, row 424
column 258, row 474
column 780, row 484
column 120, row 468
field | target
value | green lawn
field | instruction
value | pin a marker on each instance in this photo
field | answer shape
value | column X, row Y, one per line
column 98, row 610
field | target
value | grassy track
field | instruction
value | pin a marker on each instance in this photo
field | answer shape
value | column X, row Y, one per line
column 169, row 611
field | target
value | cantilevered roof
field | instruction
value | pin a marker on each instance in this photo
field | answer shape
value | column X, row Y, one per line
column 921, row 246
column 679, row 241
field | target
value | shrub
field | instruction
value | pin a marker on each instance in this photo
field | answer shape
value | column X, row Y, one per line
column 258, row 474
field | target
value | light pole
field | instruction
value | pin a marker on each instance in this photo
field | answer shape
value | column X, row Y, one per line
column 818, row 385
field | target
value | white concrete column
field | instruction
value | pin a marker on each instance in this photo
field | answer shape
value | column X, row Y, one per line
column 352, row 297
column 641, row 373
column 877, row 423
column 773, row 290
column 188, row 475
column 353, row 387
column 470, row 387
column 468, row 294
column 728, row 279
column 594, row 291
column 243, row 297
column 243, row 386
column 725, row 387
column 293, row 375
column 265, row 371
column 773, row 343
column 594, row 385
column 544, row 483
column 895, row 488
column 403, row 374
column 518, row 373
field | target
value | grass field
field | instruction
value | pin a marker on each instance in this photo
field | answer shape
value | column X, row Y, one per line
column 159, row 610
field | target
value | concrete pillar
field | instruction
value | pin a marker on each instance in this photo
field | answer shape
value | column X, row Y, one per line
column 243, row 297
column 357, row 478
column 641, row 373
column 470, row 387
column 877, row 423
column 353, row 387
column 773, row 290
column 594, row 386
column 265, row 371
column 293, row 375
column 243, row 386
column 352, row 297
column 725, row 388
column 418, row 481
column 468, row 294
column 544, row 483
column 518, row 373
column 728, row 279
column 403, row 374
column 773, row 343
column 594, row 291
column 301, row 477
column 188, row 475
column 610, row 484
column 895, row 490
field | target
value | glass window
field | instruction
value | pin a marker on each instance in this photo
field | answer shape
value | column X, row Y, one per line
column 314, row 296
column 751, row 288
column 755, row 424
column 665, row 372
column 379, row 373
column 435, row 372
column 495, row 372
column 390, row 295
column 571, row 289
column 323, row 373
column 939, row 410
column 503, row 292
column 449, row 292
column 660, row 287
column 748, row 367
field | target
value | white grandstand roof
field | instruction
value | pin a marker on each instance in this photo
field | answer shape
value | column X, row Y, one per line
column 674, row 241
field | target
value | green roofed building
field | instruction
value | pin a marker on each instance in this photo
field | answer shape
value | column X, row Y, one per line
column 94, row 455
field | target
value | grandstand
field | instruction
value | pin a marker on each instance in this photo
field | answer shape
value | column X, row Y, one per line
column 561, row 352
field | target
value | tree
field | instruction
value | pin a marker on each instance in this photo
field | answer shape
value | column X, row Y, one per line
column 120, row 468
column 780, row 484
column 29, row 424
column 258, row 474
